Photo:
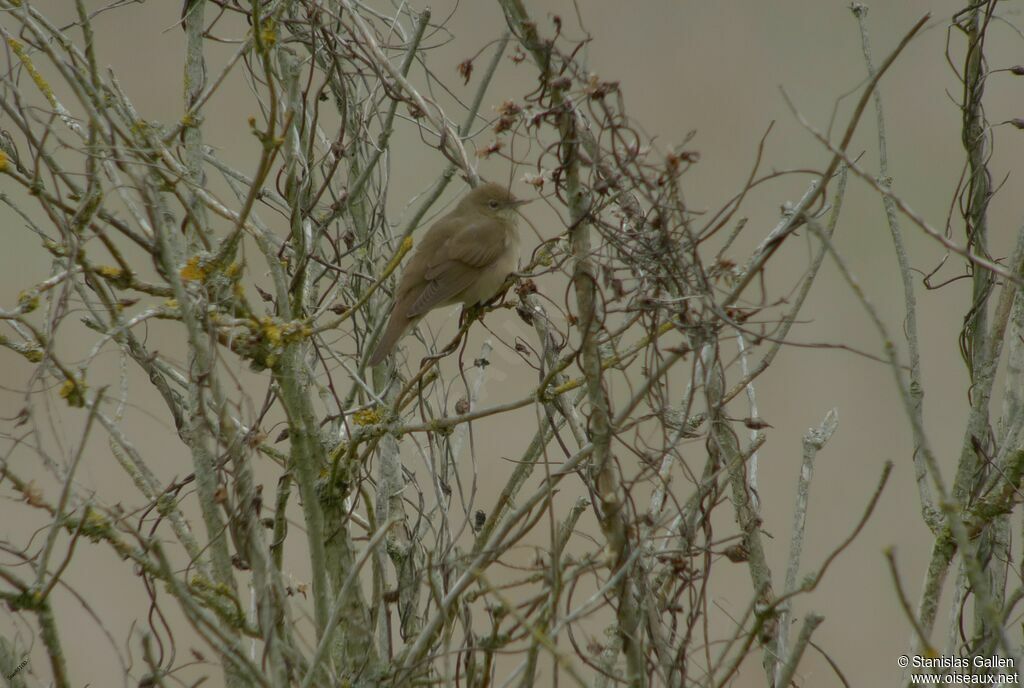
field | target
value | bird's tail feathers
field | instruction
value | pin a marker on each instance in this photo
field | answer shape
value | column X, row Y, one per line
column 397, row 326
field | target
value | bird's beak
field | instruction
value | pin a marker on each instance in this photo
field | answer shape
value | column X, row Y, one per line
column 520, row 202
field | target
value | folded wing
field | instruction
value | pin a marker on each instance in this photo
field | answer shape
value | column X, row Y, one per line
column 458, row 264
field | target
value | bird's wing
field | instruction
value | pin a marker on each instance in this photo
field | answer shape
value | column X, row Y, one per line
column 455, row 279
column 458, row 263
column 478, row 244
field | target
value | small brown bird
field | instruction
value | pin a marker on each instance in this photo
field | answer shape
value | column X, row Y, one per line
column 463, row 258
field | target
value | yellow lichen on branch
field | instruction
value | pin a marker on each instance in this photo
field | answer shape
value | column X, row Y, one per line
column 26, row 61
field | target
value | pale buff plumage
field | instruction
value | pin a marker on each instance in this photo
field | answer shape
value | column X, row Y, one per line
column 463, row 258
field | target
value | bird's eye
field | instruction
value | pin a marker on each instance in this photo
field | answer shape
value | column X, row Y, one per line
column 493, row 204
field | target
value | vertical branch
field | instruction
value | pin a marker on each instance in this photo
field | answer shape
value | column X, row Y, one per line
column 813, row 441
column 202, row 458
column 169, row 254
column 931, row 515
column 724, row 450
column 975, row 336
column 195, row 84
column 51, row 640
column 612, row 516
column 332, row 552
column 980, row 346
column 605, row 472
column 974, row 136
column 401, row 543
column 789, row 669
column 993, row 511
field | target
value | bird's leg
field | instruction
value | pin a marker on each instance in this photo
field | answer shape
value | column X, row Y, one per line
column 477, row 310
column 452, row 346
column 467, row 317
column 470, row 314
column 498, row 300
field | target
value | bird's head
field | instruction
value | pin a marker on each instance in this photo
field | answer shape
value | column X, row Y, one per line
column 493, row 200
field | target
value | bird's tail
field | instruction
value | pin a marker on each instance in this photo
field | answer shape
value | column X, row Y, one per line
column 396, row 327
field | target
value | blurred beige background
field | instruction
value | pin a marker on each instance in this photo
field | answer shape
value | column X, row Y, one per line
column 683, row 65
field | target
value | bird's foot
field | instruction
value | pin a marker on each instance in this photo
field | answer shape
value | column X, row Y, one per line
column 471, row 313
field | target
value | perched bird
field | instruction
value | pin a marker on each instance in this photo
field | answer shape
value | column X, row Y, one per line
column 463, row 258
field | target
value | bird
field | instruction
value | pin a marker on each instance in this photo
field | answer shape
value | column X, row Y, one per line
column 463, row 258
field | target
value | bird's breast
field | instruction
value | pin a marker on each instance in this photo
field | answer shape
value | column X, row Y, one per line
column 493, row 276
